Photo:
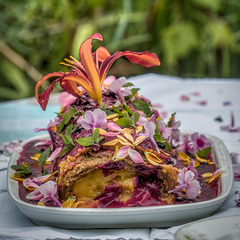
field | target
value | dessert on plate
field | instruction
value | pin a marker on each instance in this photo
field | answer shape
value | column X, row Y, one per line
column 108, row 147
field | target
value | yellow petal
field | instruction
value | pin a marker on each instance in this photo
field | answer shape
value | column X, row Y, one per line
column 102, row 131
column 123, row 140
column 111, row 116
column 207, row 175
column 201, row 160
column 139, row 140
column 139, row 128
column 111, row 143
column 214, row 177
column 183, row 156
column 152, row 158
column 16, row 178
column 128, row 136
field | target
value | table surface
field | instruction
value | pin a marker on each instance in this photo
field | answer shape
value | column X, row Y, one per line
column 200, row 104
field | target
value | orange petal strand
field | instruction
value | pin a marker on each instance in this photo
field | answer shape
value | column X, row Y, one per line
column 69, row 78
column 43, row 79
column 44, row 97
column 90, row 67
column 102, row 53
column 145, row 59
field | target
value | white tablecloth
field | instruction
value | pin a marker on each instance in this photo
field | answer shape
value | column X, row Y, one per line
column 197, row 102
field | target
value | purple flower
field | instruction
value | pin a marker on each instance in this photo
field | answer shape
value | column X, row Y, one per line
column 95, row 119
column 166, row 132
column 231, row 127
column 197, row 142
column 175, row 129
column 46, row 192
column 187, row 180
column 116, row 86
column 150, row 128
column 125, row 151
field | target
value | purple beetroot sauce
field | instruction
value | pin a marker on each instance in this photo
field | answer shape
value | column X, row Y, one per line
column 147, row 184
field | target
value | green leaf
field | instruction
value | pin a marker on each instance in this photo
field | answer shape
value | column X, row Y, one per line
column 126, row 107
column 204, row 152
column 116, row 110
column 106, row 110
column 43, row 157
column 22, row 170
column 218, row 119
column 66, row 149
column 124, row 122
column 141, row 105
column 95, row 134
column 128, row 84
column 135, row 117
column 87, row 141
column 68, row 134
column 66, row 118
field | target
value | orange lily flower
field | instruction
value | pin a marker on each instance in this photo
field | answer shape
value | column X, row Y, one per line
column 91, row 71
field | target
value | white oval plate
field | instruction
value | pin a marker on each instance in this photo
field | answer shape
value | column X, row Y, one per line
column 224, row 228
column 155, row 216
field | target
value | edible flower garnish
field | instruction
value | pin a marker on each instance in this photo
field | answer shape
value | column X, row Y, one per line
column 46, row 192
column 150, row 128
column 88, row 74
column 210, row 177
column 117, row 87
column 95, row 119
column 231, row 127
column 125, row 151
column 187, row 180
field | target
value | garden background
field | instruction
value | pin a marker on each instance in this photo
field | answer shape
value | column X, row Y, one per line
column 192, row 38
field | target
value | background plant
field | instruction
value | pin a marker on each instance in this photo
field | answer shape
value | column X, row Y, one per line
column 193, row 38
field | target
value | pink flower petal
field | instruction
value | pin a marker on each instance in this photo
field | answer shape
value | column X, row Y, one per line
column 122, row 152
column 113, row 127
column 193, row 189
column 135, row 156
column 35, row 195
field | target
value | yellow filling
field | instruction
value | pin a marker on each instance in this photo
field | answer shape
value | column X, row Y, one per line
column 92, row 185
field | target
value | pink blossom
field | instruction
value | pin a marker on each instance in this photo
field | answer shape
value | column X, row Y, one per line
column 95, row 119
column 108, row 81
column 49, row 129
column 54, row 154
column 35, row 182
column 187, row 180
column 166, row 132
column 125, row 151
column 197, row 142
column 46, row 192
column 116, row 86
column 175, row 129
column 150, row 128
column 184, row 98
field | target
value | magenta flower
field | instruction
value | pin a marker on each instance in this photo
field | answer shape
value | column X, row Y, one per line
column 150, row 128
column 125, row 151
column 175, row 129
column 95, row 119
column 197, row 142
column 35, row 182
column 117, row 87
column 187, row 180
column 46, row 192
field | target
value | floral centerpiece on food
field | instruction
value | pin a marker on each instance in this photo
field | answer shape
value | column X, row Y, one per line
column 108, row 146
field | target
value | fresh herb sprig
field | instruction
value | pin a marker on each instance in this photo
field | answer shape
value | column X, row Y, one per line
column 94, row 139
column 67, row 139
column 66, row 118
column 22, row 170
column 43, row 158
column 160, row 139
column 127, row 121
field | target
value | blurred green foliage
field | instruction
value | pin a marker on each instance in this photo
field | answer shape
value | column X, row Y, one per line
column 193, row 38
